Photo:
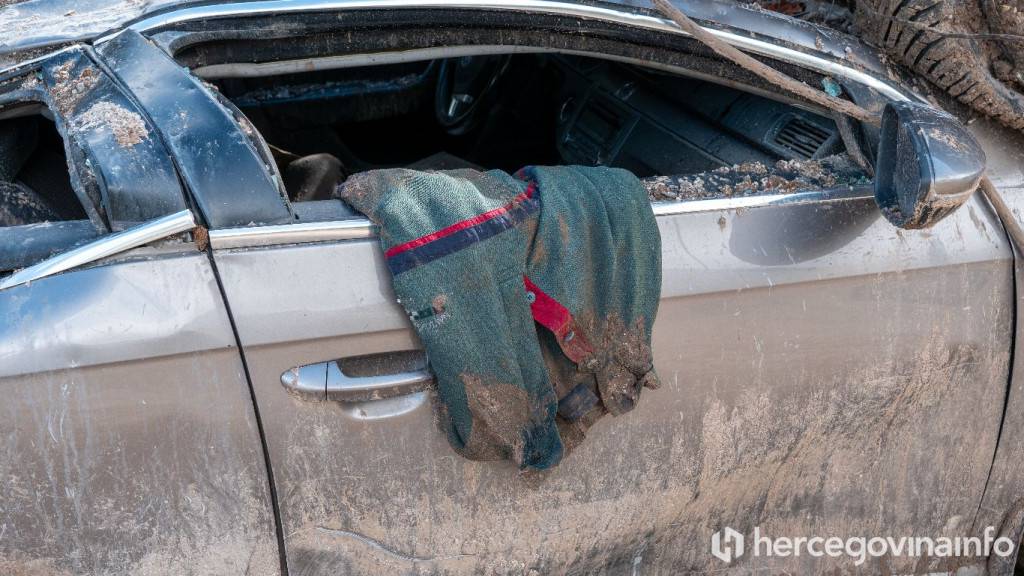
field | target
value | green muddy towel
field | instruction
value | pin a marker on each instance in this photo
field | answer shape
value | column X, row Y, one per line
column 533, row 294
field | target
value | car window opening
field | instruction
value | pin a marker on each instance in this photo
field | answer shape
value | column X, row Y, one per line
column 40, row 214
column 687, row 139
column 34, row 177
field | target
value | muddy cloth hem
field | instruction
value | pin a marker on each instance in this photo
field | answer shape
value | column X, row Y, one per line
column 597, row 253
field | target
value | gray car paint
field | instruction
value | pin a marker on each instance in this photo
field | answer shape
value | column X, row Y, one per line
column 127, row 437
column 804, row 396
column 825, row 374
column 1005, row 490
column 847, row 382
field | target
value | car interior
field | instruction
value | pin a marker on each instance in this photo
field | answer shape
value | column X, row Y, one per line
column 33, row 166
column 40, row 213
column 687, row 138
column 509, row 111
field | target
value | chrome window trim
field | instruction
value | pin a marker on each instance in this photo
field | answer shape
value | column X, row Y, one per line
column 669, row 208
column 299, row 233
column 106, row 246
column 360, row 228
column 753, row 45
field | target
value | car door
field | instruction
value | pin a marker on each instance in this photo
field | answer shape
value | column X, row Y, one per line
column 823, row 374
column 128, row 443
column 854, row 389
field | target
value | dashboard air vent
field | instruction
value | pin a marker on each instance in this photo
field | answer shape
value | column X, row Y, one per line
column 802, row 138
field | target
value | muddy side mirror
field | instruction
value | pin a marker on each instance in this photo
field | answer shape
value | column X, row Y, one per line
column 928, row 165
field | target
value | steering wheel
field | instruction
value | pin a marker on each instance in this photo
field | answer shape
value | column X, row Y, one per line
column 463, row 87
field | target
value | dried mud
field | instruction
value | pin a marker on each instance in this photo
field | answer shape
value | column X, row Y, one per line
column 500, row 413
column 797, row 430
column 22, row 206
column 127, row 127
column 67, row 92
column 623, row 366
column 754, row 178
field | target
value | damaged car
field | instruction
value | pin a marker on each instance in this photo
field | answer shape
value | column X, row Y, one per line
column 204, row 368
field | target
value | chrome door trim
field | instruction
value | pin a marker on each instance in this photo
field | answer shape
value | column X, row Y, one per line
column 540, row 6
column 303, row 232
column 105, row 246
column 360, row 228
column 326, row 381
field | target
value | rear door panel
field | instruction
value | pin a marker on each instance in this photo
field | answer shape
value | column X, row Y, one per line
column 128, row 439
column 823, row 374
column 128, row 443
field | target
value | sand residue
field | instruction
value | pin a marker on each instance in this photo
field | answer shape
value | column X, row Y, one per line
column 68, row 91
column 127, row 126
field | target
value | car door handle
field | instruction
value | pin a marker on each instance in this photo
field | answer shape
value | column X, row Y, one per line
column 328, row 381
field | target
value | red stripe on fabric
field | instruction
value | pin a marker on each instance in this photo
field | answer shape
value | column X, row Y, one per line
column 449, row 230
column 547, row 311
column 550, row 314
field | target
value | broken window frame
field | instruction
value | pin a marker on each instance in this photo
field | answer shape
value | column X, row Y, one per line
column 119, row 184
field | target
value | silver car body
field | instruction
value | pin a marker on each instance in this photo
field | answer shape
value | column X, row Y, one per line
column 824, row 374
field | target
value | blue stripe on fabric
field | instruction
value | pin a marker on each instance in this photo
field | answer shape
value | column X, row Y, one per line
column 465, row 238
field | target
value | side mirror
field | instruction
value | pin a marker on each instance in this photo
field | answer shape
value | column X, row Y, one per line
column 928, row 165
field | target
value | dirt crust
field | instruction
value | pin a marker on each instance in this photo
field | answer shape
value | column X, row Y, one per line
column 127, row 127
column 68, row 91
column 753, row 178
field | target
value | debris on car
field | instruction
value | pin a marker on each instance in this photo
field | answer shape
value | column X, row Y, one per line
column 474, row 255
column 251, row 399
column 752, row 178
column 833, row 14
column 20, row 205
column 971, row 50
column 126, row 126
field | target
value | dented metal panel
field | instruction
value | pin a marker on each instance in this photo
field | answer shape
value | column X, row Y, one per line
column 128, row 443
column 229, row 180
column 112, row 147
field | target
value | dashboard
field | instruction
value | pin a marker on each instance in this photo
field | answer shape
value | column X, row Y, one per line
column 652, row 123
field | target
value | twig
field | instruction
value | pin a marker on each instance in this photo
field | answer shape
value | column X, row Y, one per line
column 763, row 70
column 852, row 146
